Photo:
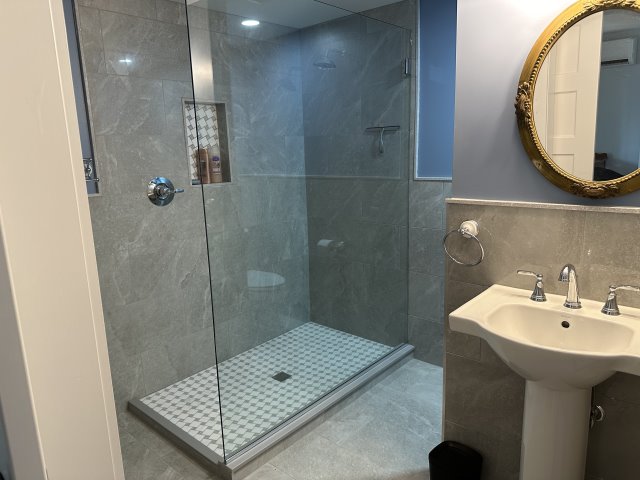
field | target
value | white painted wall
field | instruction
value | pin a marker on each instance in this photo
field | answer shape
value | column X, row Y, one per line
column 494, row 39
column 55, row 382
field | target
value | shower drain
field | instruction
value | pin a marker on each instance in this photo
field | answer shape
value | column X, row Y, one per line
column 281, row 376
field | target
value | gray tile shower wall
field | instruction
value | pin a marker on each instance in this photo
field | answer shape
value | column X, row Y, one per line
column 426, row 223
column 258, row 223
column 153, row 275
column 356, row 196
column 484, row 399
column 153, row 261
column 426, row 268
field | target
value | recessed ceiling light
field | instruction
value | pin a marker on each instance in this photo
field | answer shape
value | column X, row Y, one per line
column 250, row 23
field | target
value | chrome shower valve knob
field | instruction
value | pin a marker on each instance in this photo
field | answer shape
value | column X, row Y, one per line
column 161, row 191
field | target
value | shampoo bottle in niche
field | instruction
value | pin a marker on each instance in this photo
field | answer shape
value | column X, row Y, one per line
column 204, row 169
column 216, row 166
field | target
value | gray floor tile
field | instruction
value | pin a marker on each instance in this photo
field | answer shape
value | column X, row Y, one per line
column 386, row 433
column 316, row 458
column 269, row 472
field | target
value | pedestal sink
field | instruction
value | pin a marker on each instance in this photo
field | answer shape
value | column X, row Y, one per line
column 562, row 354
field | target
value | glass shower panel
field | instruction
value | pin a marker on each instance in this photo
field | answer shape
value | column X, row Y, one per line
column 152, row 259
column 302, row 118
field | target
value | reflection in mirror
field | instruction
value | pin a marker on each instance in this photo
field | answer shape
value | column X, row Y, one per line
column 587, row 103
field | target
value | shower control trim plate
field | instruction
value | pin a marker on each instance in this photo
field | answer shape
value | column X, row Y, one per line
column 161, row 191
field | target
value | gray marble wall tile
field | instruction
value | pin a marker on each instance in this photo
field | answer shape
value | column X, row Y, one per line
column 175, row 12
column 126, row 105
column 333, row 198
column 425, row 251
column 133, row 35
column 426, row 296
column 140, row 462
column 511, row 242
column 365, row 242
column 148, row 66
column 489, row 398
column 294, row 151
column 427, row 337
column 427, row 205
column 162, row 364
column 456, row 295
column 385, row 201
column 340, row 116
column 90, row 31
column 140, row 8
column 385, row 103
column 387, row 47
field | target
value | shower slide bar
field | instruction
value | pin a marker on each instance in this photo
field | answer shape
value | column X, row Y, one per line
column 382, row 130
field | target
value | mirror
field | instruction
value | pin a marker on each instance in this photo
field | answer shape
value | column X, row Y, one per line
column 578, row 101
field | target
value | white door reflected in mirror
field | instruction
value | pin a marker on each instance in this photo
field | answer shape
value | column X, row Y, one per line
column 586, row 103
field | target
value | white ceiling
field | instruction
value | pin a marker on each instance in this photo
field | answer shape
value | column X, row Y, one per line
column 291, row 13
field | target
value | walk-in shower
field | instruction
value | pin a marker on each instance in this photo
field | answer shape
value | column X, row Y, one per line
column 275, row 280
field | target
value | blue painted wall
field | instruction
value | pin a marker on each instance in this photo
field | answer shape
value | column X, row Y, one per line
column 494, row 38
column 437, row 87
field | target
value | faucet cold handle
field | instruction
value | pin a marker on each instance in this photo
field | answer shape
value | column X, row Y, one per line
column 611, row 305
column 538, row 291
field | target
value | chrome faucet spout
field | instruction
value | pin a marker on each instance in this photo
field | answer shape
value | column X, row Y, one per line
column 569, row 275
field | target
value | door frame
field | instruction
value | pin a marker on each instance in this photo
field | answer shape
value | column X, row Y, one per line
column 55, row 379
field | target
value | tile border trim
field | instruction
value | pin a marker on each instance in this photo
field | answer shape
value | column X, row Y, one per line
column 541, row 205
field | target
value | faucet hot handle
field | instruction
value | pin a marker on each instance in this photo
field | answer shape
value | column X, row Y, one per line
column 611, row 305
column 538, row 291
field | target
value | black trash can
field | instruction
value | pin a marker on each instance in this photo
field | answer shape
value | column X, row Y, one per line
column 454, row 461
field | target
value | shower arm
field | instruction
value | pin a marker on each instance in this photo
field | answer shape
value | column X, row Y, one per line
column 382, row 130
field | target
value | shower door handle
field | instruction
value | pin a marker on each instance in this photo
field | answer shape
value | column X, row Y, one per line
column 161, row 191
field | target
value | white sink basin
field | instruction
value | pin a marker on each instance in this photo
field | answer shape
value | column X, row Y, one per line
column 546, row 342
column 561, row 353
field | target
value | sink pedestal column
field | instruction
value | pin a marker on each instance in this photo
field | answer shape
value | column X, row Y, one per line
column 554, row 434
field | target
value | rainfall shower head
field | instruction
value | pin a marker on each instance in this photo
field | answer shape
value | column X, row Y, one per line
column 324, row 62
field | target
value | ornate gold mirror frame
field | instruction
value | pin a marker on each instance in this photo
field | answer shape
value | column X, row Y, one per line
column 524, row 105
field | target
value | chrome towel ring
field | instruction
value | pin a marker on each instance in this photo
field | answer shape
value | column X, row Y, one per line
column 468, row 229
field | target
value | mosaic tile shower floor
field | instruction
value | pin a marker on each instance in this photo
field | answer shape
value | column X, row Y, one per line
column 318, row 359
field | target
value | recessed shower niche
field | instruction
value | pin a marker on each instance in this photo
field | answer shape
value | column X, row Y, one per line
column 207, row 140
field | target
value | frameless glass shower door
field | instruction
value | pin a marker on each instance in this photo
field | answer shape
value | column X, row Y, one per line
column 302, row 152
column 152, row 256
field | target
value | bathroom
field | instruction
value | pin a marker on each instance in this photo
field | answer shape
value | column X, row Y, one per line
column 246, row 277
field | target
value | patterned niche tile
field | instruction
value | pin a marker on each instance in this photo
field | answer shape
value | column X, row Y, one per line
column 205, row 126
